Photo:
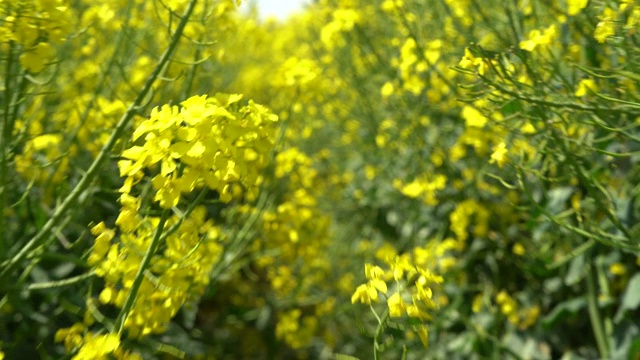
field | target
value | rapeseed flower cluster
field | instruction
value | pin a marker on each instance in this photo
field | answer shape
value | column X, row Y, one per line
column 406, row 287
column 521, row 317
column 236, row 141
column 34, row 27
column 212, row 142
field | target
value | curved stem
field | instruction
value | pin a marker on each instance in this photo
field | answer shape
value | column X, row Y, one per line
column 62, row 283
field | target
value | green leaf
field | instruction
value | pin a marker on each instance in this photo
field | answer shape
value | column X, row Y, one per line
column 577, row 270
column 557, row 198
column 634, row 349
column 631, row 297
column 512, row 107
column 570, row 355
column 563, row 310
column 344, row 357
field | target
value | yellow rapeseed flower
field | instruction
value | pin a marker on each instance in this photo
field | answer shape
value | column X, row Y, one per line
column 585, row 86
column 97, row 346
column 537, row 37
column 575, row 6
column 499, row 155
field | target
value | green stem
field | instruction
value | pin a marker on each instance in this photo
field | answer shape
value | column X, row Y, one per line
column 146, row 261
column 96, row 166
column 594, row 314
column 5, row 133
column 382, row 322
column 572, row 254
column 61, row 283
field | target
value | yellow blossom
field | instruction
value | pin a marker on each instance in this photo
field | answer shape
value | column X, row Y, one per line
column 499, row 155
column 364, row 293
column 586, row 86
column 518, row 249
column 473, row 117
column 396, row 305
column 35, row 59
column 606, row 26
column 617, row 269
column 97, row 346
column 537, row 37
column 423, row 333
column 575, row 6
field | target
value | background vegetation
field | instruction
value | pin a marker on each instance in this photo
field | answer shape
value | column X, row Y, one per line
column 372, row 179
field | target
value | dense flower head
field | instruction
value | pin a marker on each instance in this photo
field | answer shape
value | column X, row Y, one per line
column 215, row 141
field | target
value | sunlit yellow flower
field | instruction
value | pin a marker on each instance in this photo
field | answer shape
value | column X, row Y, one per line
column 97, row 346
column 499, row 155
column 575, row 6
column 396, row 305
column 539, row 38
column 617, row 269
column 606, row 25
column 585, row 86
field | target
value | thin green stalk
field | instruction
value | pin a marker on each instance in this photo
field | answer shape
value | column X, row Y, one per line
column 594, row 314
column 572, row 254
column 61, row 283
column 4, row 145
column 96, row 166
column 382, row 322
column 604, row 238
column 146, row 261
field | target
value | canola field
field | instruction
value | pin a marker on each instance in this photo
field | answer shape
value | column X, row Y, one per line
column 383, row 179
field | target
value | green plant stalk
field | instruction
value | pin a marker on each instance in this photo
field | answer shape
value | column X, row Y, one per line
column 61, row 283
column 4, row 145
column 95, row 167
column 594, row 314
column 146, row 261
column 382, row 322
column 572, row 254
column 601, row 238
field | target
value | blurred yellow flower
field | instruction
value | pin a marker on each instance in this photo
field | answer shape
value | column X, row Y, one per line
column 537, row 37
column 617, row 269
column 585, row 86
column 499, row 155
column 575, row 6
column 35, row 59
